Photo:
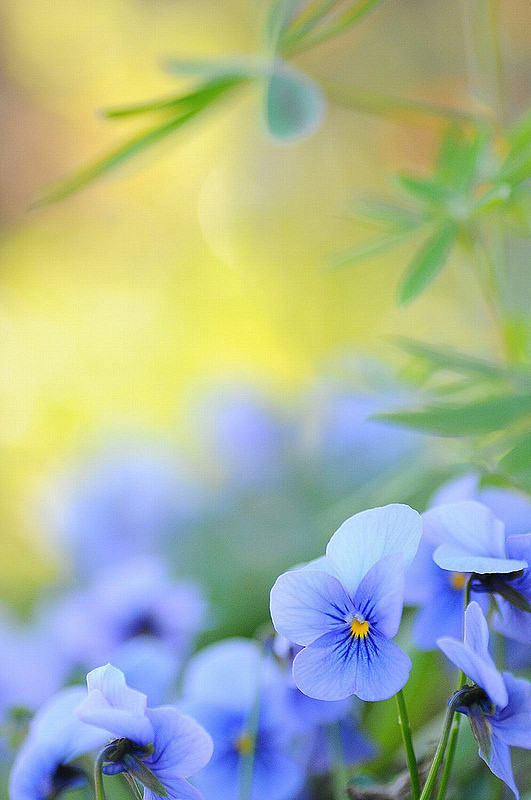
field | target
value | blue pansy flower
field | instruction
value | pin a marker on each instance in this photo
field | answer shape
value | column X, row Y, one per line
column 346, row 607
column 45, row 765
column 239, row 696
column 497, row 705
column 137, row 598
column 159, row 746
column 469, row 539
column 512, row 507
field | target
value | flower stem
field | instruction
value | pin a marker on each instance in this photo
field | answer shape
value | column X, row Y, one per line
column 452, row 745
column 98, row 771
column 439, row 754
column 405, row 729
column 339, row 774
column 131, row 781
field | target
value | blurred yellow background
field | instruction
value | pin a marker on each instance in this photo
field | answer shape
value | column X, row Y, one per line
column 207, row 258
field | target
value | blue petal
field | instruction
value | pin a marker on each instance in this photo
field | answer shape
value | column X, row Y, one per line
column 500, row 764
column 149, row 666
column 513, row 723
column 179, row 790
column 367, row 537
column 337, row 665
column 468, row 538
column 182, row 747
column 306, row 603
column 476, row 634
column 294, row 104
column 463, row 488
column 441, row 616
column 275, row 775
column 228, row 673
column 112, row 705
column 421, row 575
column 512, row 507
column 380, row 595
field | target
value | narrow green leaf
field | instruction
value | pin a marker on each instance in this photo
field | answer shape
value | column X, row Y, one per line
column 336, row 26
column 466, row 418
column 480, row 730
column 453, row 360
column 204, row 94
column 355, row 255
column 306, row 21
column 122, row 154
column 517, row 462
column 428, row 262
column 136, row 767
column 427, row 190
column 386, row 214
column 492, row 199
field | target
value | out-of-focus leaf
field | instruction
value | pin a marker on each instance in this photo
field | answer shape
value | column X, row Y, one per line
column 239, row 67
column 459, row 156
column 520, row 136
column 294, row 104
column 187, row 102
column 355, row 255
column 428, row 262
column 466, row 418
column 336, row 25
column 385, row 214
column 427, row 190
column 281, row 14
column 492, row 199
column 517, row 462
column 453, row 360
column 125, row 152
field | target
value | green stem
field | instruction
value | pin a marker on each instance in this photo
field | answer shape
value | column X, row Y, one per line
column 340, row 775
column 98, row 771
column 405, row 729
column 439, row 754
column 452, row 745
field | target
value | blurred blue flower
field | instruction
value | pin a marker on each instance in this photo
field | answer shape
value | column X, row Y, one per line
column 134, row 599
column 239, row 696
column 161, row 740
column 498, row 706
column 512, row 621
column 45, row 765
column 345, row 608
column 149, row 666
column 509, row 505
column 245, row 438
column 126, row 502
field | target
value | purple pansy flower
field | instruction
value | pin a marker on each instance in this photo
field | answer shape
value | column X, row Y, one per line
column 45, row 765
column 159, row 746
column 469, row 539
column 345, row 608
column 239, row 696
column 498, row 705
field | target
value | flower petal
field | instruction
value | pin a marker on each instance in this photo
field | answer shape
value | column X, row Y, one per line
column 365, row 538
column 478, row 668
column 380, row 595
column 307, row 603
column 179, row 790
column 500, row 764
column 182, row 746
column 337, row 665
column 513, row 723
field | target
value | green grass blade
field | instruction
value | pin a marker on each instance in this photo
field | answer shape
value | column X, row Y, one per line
column 119, row 156
column 428, row 262
column 359, row 253
column 427, row 190
column 517, row 462
column 466, row 418
column 335, row 27
column 453, row 360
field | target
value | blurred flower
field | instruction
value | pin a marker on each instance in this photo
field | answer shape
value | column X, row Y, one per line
column 239, row 696
column 498, row 706
column 509, row 505
column 344, row 608
column 158, row 746
column 45, row 765
column 134, row 599
column 149, row 666
column 127, row 502
column 245, row 437
column 469, row 539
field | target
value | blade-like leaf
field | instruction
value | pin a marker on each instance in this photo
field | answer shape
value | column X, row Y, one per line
column 136, row 767
column 453, row 360
column 480, row 730
column 466, row 418
column 123, row 153
column 337, row 25
column 428, row 262
column 362, row 252
column 517, row 462
column 427, row 190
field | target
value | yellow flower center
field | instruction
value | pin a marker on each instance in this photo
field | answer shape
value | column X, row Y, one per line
column 458, row 580
column 244, row 744
column 359, row 627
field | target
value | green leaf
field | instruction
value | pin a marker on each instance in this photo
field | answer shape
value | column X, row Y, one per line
column 453, row 360
column 459, row 157
column 492, row 199
column 481, row 730
column 338, row 24
column 124, row 152
column 427, row 190
column 362, row 252
column 517, row 462
column 428, row 262
column 136, row 767
column 386, row 214
column 465, row 418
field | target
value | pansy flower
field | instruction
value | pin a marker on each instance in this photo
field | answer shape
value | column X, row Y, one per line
column 46, row 763
column 469, row 539
column 239, row 696
column 498, row 705
column 160, row 747
column 345, row 608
